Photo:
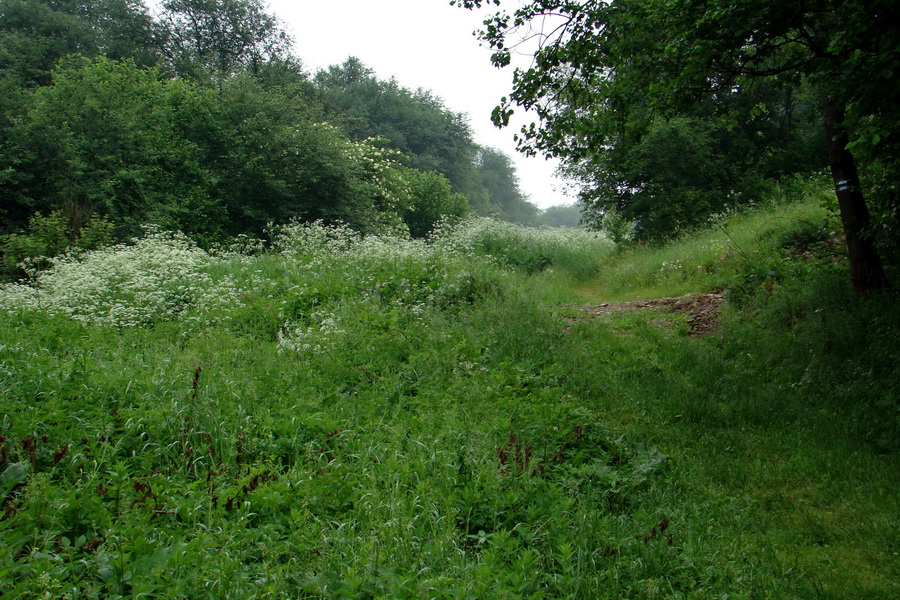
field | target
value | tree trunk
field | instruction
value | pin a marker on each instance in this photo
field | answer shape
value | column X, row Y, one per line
column 865, row 265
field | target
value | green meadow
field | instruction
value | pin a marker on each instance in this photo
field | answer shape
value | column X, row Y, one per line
column 327, row 415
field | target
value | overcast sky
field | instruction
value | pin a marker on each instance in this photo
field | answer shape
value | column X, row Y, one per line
column 421, row 43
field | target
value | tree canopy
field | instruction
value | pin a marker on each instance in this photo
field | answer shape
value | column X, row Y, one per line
column 223, row 37
column 602, row 70
column 415, row 122
column 202, row 119
column 430, row 136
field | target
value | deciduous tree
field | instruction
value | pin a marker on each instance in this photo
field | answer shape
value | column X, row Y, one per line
column 108, row 137
column 595, row 59
column 414, row 122
column 222, row 36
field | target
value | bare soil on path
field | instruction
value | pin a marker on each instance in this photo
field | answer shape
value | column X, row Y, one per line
column 702, row 310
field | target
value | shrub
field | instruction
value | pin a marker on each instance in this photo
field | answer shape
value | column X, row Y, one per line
column 50, row 236
column 431, row 200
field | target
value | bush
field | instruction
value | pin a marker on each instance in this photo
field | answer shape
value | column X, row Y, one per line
column 431, row 200
column 50, row 236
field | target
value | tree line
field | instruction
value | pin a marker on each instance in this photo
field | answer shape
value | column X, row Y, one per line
column 200, row 118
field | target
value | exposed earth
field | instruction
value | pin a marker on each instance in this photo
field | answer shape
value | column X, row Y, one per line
column 702, row 310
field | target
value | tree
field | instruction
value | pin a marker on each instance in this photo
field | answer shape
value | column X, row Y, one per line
column 36, row 34
column 223, row 37
column 669, row 180
column 498, row 176
column 430, row 136
column 416, row 123
column 561, row 215
column 666, row 174
column 89, row 127
column 602, row 58
column 273, row 161
column 107, row 137
column 430, row 201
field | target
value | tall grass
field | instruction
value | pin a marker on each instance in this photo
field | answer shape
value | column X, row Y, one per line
column 713, row 257
column 336, row 416
column 577, row 252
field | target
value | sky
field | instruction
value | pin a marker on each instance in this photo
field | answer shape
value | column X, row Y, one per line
column 423, row 44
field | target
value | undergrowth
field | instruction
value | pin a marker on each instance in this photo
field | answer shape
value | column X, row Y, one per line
column 331, row 416
column 733, row 251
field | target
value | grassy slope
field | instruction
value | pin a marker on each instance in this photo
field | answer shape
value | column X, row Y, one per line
column 788, row 414
column 709, row 258
column 469, row 448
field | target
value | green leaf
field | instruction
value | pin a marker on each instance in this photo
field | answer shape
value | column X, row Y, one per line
column 15, row 474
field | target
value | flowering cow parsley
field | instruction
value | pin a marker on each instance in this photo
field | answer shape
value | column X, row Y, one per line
column 159, row 278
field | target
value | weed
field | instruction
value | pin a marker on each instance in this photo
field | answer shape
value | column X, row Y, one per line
column 332, row 415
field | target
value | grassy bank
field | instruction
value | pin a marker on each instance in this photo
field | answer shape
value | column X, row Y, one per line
column 378, row 418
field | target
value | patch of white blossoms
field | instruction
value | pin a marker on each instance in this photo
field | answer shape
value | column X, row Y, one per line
column 161, row 277
column 380, row 167
column 311, row 279
column 313, row 242
column 382, row 270
column 318, row 338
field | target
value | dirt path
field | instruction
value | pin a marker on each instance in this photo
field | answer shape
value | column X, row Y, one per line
column 702, row 310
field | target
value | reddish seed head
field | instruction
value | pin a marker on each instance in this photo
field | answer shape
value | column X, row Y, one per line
column 59, row 454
